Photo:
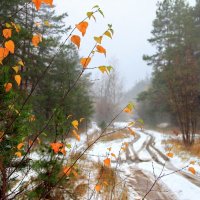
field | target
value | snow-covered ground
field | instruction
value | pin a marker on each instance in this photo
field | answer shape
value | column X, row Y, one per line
column 183, row 187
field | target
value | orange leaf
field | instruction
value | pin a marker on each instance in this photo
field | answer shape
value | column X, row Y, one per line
column 76, row 135
column 3, row 53
column 36, row 39
column 30, row 142
column 85, row 61
column 18, row 154
column 109, row 149
column 75, row 173
column 105, row 183
column 37, row 3
column 107, row 162
column 76, row 40
column 82, row 27
column 192, row 170
column 100, row 49
column 7, row 86
column 7, row 33
column 20, row 145
column 67, row 170
column 31, row 118
column 131, row 131
column 129, row 108
column 56, row 146
column 98, row 188
column 50, row 2
column 192, row 162
column 171, row 155
column 10, row 46
column 18, row 79
column 63, row 151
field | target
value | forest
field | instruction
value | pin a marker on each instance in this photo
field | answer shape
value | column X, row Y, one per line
column 71, row 129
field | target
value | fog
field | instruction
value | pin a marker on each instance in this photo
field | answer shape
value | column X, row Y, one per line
column 132, row 23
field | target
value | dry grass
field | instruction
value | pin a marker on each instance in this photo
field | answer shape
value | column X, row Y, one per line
column 116, row 136
column 110, row 183
column 179, row 147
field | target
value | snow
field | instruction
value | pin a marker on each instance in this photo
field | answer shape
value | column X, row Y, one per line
column 179, row 185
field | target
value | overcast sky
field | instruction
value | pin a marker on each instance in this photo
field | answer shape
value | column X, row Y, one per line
column 132, row 23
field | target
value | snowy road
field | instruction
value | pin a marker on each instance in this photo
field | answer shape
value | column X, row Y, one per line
column 143, row 161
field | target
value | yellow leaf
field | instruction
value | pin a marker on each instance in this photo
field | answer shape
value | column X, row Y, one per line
column 16, row 26
column 171, row 155
column 85, row 61
column 192, row 170
column 7, row 33
column 108, row 34
column 76, row 40
column 21, row 63
column 18, row 154
column 113, row 155
column 75, row 124
column 107, row 162
column 8, row 25
column 81, row 119
column 98, row 188
column 39, row 141
column 82, row 27
column 76, row 135
column 101, row 49
column 16, row 69
column 46, row 23
column 69, row 116
column 98, row 39
column 18, row 79
column 20, row 145
column 7, row 86
column 89, row 14
column 10, row 46
column 131, row 124
column 103, row 69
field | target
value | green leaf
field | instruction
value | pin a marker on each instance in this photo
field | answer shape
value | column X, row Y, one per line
column 69, row 146
column 101, row 12
column 140, row 121
column 109, row 68
column 96, row 6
